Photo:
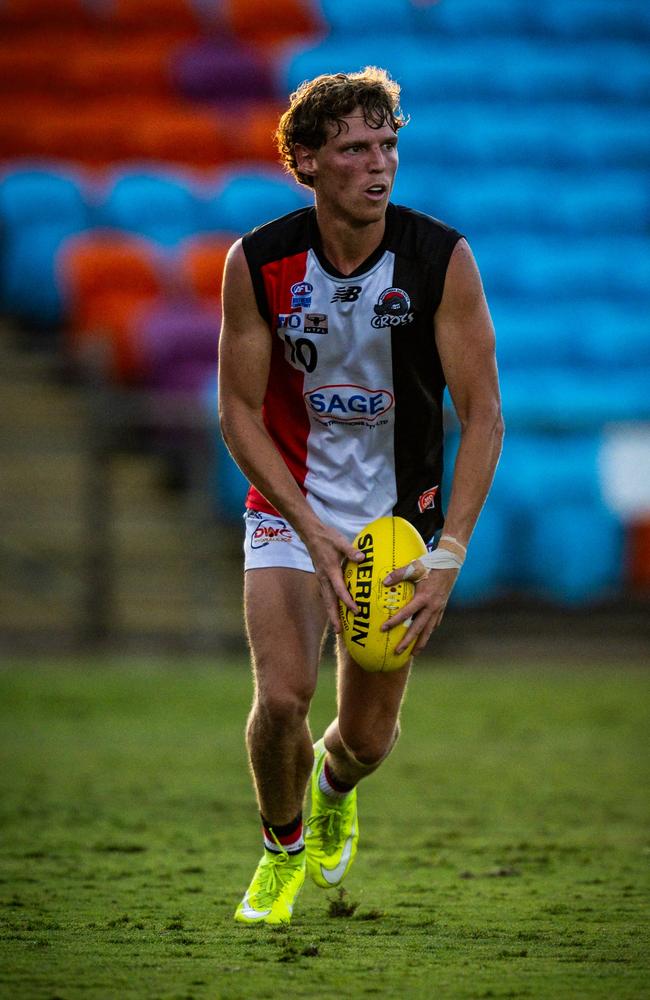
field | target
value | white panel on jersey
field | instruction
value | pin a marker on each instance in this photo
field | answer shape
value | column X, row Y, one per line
column 349, row 396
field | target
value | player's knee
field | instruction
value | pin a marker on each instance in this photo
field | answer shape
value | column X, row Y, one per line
column 369, row 749
column 284, row 708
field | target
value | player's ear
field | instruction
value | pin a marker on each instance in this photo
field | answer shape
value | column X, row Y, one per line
column 305, row 160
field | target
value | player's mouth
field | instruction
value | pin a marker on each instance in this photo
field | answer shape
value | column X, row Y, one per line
column 376, row 191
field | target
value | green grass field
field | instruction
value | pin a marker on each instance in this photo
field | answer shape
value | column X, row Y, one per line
column 504, row 847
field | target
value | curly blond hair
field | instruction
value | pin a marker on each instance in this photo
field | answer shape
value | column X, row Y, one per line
column 326, row 100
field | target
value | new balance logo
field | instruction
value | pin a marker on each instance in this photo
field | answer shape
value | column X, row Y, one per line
column 347, row 293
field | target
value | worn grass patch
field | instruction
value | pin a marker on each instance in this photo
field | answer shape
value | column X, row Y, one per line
column 503, row 850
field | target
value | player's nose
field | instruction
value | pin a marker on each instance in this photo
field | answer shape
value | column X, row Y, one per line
column 376, row 161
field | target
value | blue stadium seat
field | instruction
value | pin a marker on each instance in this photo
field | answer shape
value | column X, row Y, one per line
column 577, row 20
column 540, row 468
column 229, row 486
column 573, row 398
column 518, row 69
column 244, row 200
column 159, row 205
column 530, row 333
column 538, row 201
column 371, row 17
column 466, row 18
column 444, row 134
column 537, row 266
column 487, row 566
column 39, row 209
column 614, row 335
column 575, row 552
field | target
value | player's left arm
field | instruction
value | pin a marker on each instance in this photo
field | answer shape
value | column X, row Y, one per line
column 466, row 345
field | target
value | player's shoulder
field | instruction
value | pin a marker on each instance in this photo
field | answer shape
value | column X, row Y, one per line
column 419, row 236
column 282, row 237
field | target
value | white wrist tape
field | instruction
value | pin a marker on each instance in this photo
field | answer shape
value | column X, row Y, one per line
column 438, row 559
column 441, row 559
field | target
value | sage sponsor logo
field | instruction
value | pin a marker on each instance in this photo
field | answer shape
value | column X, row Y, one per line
column 348, row 403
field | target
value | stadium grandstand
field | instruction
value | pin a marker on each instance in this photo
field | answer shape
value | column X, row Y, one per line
column 136, row 142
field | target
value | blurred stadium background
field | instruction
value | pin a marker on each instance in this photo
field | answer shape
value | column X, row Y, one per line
column 136, row 143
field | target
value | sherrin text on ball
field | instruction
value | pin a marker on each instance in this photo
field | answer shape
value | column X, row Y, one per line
column 387, row 543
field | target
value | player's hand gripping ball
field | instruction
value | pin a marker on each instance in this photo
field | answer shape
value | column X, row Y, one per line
column 388, row 543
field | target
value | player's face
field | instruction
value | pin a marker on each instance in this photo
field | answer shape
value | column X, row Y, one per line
column 355, row 169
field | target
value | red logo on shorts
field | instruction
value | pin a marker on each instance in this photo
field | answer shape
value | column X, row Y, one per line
column 427, row 500
column 270, row 532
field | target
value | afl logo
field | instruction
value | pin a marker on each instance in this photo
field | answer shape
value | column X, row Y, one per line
column 301, row 294
column 393, row 309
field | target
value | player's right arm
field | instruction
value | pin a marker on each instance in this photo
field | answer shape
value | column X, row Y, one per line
column 244, row 364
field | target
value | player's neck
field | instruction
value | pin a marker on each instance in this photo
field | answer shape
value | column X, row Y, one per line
column 347, row 246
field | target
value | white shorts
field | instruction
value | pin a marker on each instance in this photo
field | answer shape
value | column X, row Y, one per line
column 271, row 541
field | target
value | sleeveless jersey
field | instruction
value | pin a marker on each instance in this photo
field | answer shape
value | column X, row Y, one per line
column 354, row 396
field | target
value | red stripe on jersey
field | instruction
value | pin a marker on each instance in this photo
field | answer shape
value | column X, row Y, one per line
column 285, row 415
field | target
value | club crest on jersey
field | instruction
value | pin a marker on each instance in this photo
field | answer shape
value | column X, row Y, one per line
column 392, row 309
column 427, row 500
column 301, row 294
column 348, row 403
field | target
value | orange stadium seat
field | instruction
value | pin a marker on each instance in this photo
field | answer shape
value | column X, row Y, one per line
column 250, row 133
column 26, row 14
column 19, row 123
column 263, row 22
column 177, row 135
column 179, row 17
column 202, row 261
column 33, row 65
column 106, row 280
column 120, row 66
column 91, row 134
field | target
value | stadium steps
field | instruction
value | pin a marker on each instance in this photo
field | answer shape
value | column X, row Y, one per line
column 156, row 572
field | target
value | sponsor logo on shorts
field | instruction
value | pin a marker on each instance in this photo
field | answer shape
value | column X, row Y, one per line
column 427, row 500
column 392, row 309
column 316, row 323
column 348, row 403
column 270, row 531
column 301, row 294
column 347, row 293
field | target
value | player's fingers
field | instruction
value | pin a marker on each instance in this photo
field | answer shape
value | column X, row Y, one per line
column 413, row 633
column 414, row 571
column 334, row 590
column 408, row 611
column 331, row 604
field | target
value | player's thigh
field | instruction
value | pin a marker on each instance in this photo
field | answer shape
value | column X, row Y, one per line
column 285, row 622
column 368, row 705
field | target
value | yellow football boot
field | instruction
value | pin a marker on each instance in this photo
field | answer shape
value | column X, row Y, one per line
column 332, row 830
column 272, row 893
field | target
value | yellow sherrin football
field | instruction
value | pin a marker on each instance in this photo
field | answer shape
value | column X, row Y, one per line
column 388, row 542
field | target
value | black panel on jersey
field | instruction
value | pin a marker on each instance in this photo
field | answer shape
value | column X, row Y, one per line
column 422, row 248
column 283, row 237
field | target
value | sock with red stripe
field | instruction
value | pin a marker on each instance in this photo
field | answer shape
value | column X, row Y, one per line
column 287, row 838
column 332, row 786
